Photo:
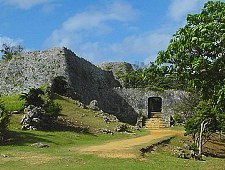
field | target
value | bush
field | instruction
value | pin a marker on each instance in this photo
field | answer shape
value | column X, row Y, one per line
column 178, row 118
column 52, row 109
column 41, row 99
column 8, row 51
column 4, row 121
column 34, row 97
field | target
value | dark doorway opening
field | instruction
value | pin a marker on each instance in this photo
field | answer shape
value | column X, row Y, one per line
column 154, row 105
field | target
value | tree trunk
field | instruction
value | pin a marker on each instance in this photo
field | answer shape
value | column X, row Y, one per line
column 203, row 124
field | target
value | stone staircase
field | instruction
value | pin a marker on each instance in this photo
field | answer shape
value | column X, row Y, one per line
column 156, row 121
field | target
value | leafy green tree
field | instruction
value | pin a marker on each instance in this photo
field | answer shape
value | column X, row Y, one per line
column 4, row 121
column 9, row 51
column 196, row 52
column 203, row 123
column 196, row 57
column 152, row 77
column 39, row 98
column 34, row 97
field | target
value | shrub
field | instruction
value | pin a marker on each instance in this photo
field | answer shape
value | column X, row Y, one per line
column 41, row 99
column 8, row 51
column 34, row 97
column 178, row 118
column 4, row 121
column 52, row 109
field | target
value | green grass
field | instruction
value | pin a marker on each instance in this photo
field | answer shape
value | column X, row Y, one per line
column 84, row 117
column 63, row 153
column 13, row 103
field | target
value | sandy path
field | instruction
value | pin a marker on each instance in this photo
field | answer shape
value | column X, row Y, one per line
column 121, row 148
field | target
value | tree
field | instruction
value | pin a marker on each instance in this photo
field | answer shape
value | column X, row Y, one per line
column 196, row 52
column 34, row 97
column 203, row 123
column 152, row 77
column 37, row 97
column 4, row 121
column 8, row 51
column 196, row 57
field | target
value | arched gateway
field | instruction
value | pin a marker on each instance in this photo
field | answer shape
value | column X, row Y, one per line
column 155, row 115
column 154, row 105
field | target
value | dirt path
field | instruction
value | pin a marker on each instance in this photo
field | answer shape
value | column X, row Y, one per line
column 122, row 148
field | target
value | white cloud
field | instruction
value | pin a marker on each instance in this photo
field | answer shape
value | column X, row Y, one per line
column 25, row 4
column 180, row 8
column 134, row 48
column 78, row 30
column 142, row 45
column 7, row 40
column 81, row 31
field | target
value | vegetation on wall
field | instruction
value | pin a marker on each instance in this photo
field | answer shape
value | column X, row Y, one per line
column 9, row 51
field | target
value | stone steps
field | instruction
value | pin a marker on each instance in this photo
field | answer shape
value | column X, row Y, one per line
column 156, row 114
column 156, row 121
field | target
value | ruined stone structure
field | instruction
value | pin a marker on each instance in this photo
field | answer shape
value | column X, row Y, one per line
column 87, row 81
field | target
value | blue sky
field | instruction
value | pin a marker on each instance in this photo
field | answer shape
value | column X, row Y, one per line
column 97, row 30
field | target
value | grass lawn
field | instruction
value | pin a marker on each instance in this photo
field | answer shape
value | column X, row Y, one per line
column 59, row 155
column 63, row 151
column 12, row 103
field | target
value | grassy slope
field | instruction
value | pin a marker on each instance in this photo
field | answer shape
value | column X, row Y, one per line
column 82, row 117
column 62, row 153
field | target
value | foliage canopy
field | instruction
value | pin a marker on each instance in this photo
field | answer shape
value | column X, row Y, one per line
column 196, row 57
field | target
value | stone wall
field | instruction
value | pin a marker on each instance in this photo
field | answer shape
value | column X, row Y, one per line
column 117, row 68
column 87, row 81
column 138, row 100
column 31, row 70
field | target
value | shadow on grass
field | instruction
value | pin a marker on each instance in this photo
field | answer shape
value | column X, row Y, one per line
column 23, row 138
column 26, row 137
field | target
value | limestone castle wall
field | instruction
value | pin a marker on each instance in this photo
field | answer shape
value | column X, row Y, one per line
column 87, row 81
column 31, row 69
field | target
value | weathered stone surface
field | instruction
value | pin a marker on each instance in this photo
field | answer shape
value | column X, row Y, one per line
column 87, row 83
column 122, row 128
column 40, row 145
column 32, row 119
column 105, row 131
column 94, row 105
column 31, row 70
column 117, row 68
column 138, row 100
